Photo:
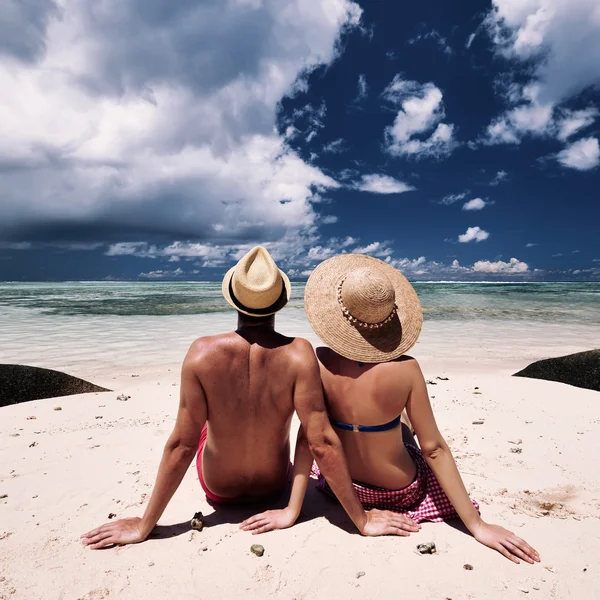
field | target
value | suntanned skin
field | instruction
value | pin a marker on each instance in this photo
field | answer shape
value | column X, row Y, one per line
column 246, row 385
column 373, row 394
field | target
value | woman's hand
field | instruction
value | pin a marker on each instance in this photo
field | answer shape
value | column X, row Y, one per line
column 385, row 522
column 123, row 531
column 269, row 520
column 505, row 542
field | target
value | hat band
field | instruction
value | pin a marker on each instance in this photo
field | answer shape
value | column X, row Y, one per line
column 356, row 321
column 257, row 311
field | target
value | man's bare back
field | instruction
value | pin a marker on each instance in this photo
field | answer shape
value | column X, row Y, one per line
column 248, row 379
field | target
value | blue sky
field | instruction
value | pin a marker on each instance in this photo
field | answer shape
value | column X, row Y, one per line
column 160, row 140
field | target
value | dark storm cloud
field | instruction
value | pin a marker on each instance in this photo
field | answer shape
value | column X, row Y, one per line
column 147, row 42
column 146, row 119
column 23, row 26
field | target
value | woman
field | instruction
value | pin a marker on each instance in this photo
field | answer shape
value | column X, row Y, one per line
column 370, row 316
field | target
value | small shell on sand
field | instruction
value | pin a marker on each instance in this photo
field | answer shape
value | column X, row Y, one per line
column 516, row 450
column 468, row 567
column 428, row 548
column 257, row 549
column 58, row 408
column 197, row 521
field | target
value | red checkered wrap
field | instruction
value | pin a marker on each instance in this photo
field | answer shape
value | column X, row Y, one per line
column 422, row 500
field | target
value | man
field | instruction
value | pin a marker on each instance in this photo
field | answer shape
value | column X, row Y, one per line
column 238, row 395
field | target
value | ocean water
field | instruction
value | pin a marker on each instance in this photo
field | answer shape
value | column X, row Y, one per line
column 109, row 330
column 545, row 302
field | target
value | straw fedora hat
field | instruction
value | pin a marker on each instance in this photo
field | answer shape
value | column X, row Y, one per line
column 363, row 308
column 255, row 286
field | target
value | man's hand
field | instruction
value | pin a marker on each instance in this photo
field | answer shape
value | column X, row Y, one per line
column 505, row 542
column 123, row 531
column 269, row 520
column 385, row 522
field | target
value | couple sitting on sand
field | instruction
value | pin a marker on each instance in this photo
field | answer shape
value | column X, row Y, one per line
column 239, row 392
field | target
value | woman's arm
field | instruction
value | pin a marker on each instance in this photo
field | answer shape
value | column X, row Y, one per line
column 286, row 517
column 440, row 459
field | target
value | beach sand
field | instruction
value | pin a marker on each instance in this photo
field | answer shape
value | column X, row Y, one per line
column 65, row 470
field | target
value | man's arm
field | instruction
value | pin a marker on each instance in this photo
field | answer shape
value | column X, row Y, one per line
column 440, row 459
column 327, row 450
column 177, row 456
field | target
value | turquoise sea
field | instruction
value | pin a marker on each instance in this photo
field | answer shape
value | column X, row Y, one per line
column 539, row 302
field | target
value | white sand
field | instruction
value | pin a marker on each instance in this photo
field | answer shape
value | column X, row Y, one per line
column 82, row 468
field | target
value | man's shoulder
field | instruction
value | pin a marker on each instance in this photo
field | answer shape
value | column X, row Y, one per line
column 209, row 344
column 301, row 351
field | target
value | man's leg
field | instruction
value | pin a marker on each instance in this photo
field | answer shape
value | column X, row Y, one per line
column 209, row 495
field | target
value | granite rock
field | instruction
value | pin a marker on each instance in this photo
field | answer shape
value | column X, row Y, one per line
column 580, row 370
column 21, row 383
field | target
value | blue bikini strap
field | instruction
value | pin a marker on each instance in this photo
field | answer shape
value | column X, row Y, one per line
column 366, row 428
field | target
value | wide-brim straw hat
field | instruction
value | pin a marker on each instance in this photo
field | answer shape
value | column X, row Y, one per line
column 255, row 286
column 363, row 308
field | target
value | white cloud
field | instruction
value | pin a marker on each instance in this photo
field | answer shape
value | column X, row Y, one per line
column 165, row 132
column 375, row 249
column 499, row 178
column 473, row 234
column 71, row 246
column 513, row 266
column 538, row 35
column 470, row 40
column 382, row 184
column 574, row 120
column 530, row 117
column 407, row 264
column 435, row 36
column 328, row 219
column 363, row 89
column 319, row 253
column 452, row 198
column 475, row 204
column 335, row 147
column 530, row 245
column 162, row 274
column 421, row 112
column 544, row 31
column 583, row 155
column 16, row 245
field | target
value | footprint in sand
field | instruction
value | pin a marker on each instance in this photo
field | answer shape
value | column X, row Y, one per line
column 96, row 595
column 550, row 502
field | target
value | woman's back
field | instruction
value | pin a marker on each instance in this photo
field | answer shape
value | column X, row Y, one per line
column 370, row 395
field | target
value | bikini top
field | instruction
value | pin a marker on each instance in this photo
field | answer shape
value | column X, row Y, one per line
column 365, row 428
